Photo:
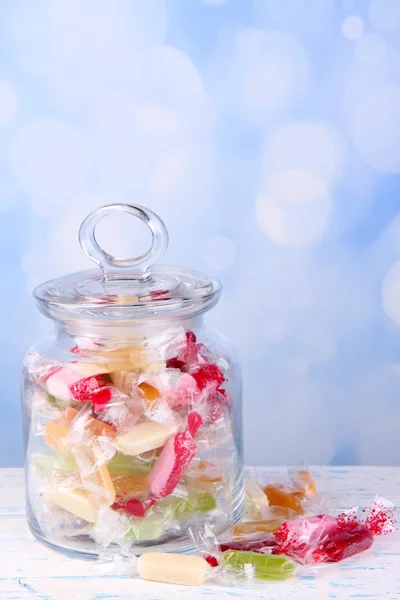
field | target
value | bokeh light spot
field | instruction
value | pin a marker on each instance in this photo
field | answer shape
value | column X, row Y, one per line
column 352, row 27
column 296, row 209
column 311, row 146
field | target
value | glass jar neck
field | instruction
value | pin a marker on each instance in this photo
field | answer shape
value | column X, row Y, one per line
column 123, row 332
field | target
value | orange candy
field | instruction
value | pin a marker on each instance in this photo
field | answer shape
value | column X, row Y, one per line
column 55, row 435
column 242, row 530
column 285, row 496
column 149, row 391
column 129, row 486
column 303, row 481
column 205, row 471
column 95, row 426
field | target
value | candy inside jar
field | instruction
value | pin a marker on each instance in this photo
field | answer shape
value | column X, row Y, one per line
column 133, row 409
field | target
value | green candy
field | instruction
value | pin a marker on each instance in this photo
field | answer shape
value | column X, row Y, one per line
column 193, row 504
column 198, row 503
column 259, row 566
column 149, row 528
column 120, row 464
column 54, row 462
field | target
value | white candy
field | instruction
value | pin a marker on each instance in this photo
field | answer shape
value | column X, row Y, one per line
column 256, row 501
column 74, row 501
column 173, row 568
column 143, row 437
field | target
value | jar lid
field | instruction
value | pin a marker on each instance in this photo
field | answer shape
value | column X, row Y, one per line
column 126, row 288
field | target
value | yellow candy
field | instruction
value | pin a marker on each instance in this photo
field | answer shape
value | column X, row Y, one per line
column 143, row 437
column 180, row 569
column 74, row 501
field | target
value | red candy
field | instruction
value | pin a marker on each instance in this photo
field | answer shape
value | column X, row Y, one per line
column 194, row 422
column 88, row 388
column 266, row 546
column 343, row 543
column 175, row 363
column 209, row 376
column 320, row 539
column 212, row 561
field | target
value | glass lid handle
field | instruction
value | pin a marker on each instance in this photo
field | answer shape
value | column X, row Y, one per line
column 124, row 268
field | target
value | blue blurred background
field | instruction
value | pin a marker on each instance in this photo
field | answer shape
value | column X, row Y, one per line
column 266, row 133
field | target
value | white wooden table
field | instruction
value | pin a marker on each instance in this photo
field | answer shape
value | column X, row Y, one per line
column 29, row 570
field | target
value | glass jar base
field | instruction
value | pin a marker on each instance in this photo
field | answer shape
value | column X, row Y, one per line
column 84, row 547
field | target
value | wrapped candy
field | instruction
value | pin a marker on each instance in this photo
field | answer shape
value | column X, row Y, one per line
column 257, row 502
column 303, row 481
column 170, row 466
column 173, row 568
column 143, row 437
column 251, row 528
column 255, row 566
column 284, row 496
column 326, row 539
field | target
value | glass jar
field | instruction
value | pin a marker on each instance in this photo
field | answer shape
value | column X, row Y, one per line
column 133, row 408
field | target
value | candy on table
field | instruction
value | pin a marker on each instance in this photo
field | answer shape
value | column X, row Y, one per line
column 75, row 501
column 180, row 569
column 170, row 466
column 143, row 437
column 255, row 566
column 267, row 545
column 256, row 501
column 303, row 481
column 250, row 528
column 322, row 539
column 282, row 495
